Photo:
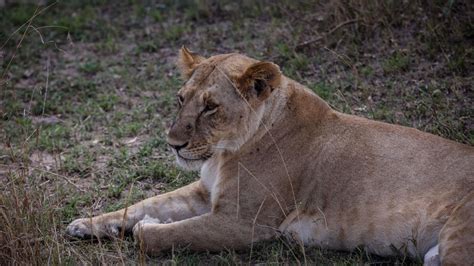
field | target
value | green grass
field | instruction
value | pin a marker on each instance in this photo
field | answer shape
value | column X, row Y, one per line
column 322, row 89
column 397, row 62
column 78, row 160
column 54, row 138
column 83, row 116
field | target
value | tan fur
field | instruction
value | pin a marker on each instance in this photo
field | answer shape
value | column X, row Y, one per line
column 276, row 159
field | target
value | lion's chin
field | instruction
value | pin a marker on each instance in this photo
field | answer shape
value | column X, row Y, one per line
column 190, row 165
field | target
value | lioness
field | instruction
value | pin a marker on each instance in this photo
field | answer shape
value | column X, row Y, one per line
column 275, row 159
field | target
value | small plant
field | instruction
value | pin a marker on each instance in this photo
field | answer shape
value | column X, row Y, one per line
column 322, row 89
column 54, row 138
column 74, row 204
column 90, row 67
column 78, row 22
column 458, row 62
column 173, row 32
column 128, row 129
column 147, row 46
column 107, row 102
column 299, row 61
column 367, row 71
column 156, row 15
column 396, row 63
column 79, row 160
column 108, row 46
column 11, row 109
column 20, row 14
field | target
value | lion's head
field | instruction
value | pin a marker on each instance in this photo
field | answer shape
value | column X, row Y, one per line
column 220, row 104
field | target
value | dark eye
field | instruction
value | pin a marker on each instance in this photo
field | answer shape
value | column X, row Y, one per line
column 210, row 107
column 180, row 100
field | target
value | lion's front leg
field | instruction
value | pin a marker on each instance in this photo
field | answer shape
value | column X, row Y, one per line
column 183, row 203
column 206, row 232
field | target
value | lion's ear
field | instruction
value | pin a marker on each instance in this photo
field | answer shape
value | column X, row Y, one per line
column 187, row 61
column 259, row 80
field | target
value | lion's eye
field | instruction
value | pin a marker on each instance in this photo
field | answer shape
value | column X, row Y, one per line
column 180, row 100
column 210, row 108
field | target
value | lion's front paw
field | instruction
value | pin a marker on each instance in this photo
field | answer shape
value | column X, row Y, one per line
column 139, row 233
column 85, row 227
column 146, row 235
column 80, row 228
column 139, row 228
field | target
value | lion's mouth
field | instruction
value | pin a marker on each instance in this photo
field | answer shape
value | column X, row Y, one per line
column 202, row 157
column 188, row 159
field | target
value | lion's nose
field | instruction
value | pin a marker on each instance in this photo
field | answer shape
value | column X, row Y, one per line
column 178, row 147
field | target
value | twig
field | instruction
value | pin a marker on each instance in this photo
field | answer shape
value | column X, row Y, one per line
column 28, row 23
column 17, row 46
column 253, row 226
column 47, row 85
column 42, row 39
column 124, row 217
column 274, row 196
column 39, row 33
column 340, row 25
column 238, row 193
column 58, row 175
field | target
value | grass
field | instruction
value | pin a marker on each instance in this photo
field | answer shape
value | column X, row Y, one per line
column 88, row 94
column 396, row 63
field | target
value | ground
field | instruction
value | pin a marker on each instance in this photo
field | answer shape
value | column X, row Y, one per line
column 87, row 89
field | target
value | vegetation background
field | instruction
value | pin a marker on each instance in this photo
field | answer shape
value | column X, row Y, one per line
column 88, row 87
